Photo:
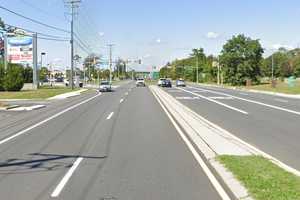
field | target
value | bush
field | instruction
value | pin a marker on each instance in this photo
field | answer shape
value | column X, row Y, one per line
column 1, row 77
column 28, row 74
column 14, row 80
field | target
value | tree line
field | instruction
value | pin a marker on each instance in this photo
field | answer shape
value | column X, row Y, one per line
column 240, row 60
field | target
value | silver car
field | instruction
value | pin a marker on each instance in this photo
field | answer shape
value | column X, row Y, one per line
column 105, row 86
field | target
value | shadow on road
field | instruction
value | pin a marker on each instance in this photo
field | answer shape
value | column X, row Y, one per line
column 45, row 162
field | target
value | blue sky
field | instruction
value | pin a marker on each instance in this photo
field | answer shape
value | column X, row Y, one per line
column 160, row 31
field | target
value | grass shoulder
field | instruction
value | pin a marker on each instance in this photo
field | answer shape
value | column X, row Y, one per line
column 281, row 87
column 41, row 93
column 263, row 179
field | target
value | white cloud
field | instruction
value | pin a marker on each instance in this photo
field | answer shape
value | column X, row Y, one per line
column 147, row 56
column 55, row 60
column 101, row 34
column 278, row 46
column 158, row 40
column 212, row 35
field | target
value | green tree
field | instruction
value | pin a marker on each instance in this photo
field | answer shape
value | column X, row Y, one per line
column 43, row 74
column 284, row 63
column 200, row 60
column 28, row 73
column 2, row 73
column 90, row 63
column 13, row 79
column 121, row 68
column 105, row 74
column 241, row 58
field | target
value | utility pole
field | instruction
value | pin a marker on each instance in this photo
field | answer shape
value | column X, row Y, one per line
column 73, row 4
column 272, row 67
column 35, row 62
column 219, row 69
column 5, row 51
column 110, row 62
column 197, row 63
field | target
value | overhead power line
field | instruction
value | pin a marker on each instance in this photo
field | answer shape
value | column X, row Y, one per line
column 82, row 43
column 34, row 21
column 82, row 48
column 40, row 10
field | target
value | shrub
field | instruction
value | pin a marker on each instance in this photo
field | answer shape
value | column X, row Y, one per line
column 14, row 80
column 1, row 77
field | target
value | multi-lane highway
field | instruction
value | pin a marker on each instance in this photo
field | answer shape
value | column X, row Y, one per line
column 267, row 122
column 118, row 145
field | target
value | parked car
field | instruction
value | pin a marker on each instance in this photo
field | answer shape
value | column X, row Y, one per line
column 105, row 86
column 67, row 82
column 140, row 82
column 180, row 83
column 160, row 81
column 166, row 83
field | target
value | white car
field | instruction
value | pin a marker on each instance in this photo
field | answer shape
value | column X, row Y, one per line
column 140, row 82
column 180, row 83
column 160, row 81
column 105, row 86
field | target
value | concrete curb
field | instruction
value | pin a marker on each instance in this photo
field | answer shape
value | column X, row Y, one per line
column 292, row 96
column 208, row 140
column 200, row 130
column 9, row 107
column 240, row 142
column 67, row 95
column 27, row 108
column 8, row 100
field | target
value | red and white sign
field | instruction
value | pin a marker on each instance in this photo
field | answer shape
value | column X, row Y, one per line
column 19, row 50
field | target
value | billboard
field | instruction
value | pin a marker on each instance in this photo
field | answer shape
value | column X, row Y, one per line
column 19, row 49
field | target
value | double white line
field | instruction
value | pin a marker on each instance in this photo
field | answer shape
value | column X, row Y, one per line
column 217, row 102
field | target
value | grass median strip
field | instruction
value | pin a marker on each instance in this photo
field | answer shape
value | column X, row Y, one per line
column 281, row 87
column 42, row 93
column 263, row 179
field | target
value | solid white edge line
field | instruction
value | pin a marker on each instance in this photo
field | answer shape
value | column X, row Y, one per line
column 110, row 115
column 217, row 102
column 198, row 158
column 66, row 178
column 250, row 101
column 260, row 152
column 46, row 120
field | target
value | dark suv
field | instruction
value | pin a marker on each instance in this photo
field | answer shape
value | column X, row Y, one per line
column 166, row 83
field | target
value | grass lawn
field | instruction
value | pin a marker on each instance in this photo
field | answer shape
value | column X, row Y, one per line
column 281, row 88
column 263, row 179
column 42, row 93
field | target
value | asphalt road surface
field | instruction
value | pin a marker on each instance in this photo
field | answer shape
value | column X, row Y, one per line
column 268, row 122
column 118, row 145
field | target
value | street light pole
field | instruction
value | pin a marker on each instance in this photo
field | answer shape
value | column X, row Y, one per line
column 42, row 54
column 110, row 62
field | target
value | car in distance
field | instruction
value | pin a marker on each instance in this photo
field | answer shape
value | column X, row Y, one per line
column 180, row 83
column 160, row 81
column 166, row 83
column 140, row 82
column 105, row 86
